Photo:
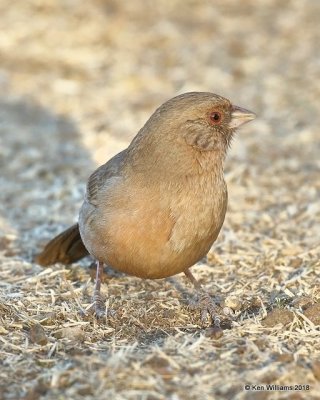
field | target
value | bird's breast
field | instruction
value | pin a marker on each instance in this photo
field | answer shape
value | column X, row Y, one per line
column 157, row 231
column 199, row 213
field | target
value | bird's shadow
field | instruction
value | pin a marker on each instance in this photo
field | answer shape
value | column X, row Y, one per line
column 44, row 168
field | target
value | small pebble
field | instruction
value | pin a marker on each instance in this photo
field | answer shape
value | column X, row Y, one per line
column 37, row 335
column 214, row 332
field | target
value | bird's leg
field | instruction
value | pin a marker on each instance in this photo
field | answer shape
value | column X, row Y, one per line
column 206, row 304
column 99, row 306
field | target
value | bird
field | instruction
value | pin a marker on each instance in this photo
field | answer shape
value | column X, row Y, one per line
column 156, row 208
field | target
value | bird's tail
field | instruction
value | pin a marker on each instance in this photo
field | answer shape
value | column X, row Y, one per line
column 65, row 248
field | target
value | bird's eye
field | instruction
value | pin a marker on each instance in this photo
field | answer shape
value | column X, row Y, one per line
column 215, row 117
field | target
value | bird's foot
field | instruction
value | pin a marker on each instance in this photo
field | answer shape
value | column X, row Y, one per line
column 99, row 306
column 216, row 313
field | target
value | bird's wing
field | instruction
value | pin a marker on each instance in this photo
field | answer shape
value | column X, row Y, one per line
column 100, row 176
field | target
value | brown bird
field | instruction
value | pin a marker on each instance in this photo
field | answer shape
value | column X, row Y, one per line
column 156, row 208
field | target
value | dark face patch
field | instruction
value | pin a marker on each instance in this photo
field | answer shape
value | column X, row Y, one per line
column 210, row 130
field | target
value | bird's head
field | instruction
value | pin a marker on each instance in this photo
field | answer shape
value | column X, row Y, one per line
column 194, row 125
column 203, row 120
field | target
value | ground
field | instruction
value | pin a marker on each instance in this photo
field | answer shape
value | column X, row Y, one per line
column 78, row 79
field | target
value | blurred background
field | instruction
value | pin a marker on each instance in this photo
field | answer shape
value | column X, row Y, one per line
column 78, row 79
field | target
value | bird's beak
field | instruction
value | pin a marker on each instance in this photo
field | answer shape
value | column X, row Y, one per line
column 240, row 116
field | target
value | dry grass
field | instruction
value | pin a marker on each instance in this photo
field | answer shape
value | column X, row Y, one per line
column 77, row 82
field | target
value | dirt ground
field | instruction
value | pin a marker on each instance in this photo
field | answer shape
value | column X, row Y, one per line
column 77, row 81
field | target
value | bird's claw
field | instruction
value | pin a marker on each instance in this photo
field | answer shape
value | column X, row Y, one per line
column 216, row 313
column 98, row 307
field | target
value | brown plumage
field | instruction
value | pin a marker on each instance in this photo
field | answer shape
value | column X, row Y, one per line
column 65, row 248
column 156, row 208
